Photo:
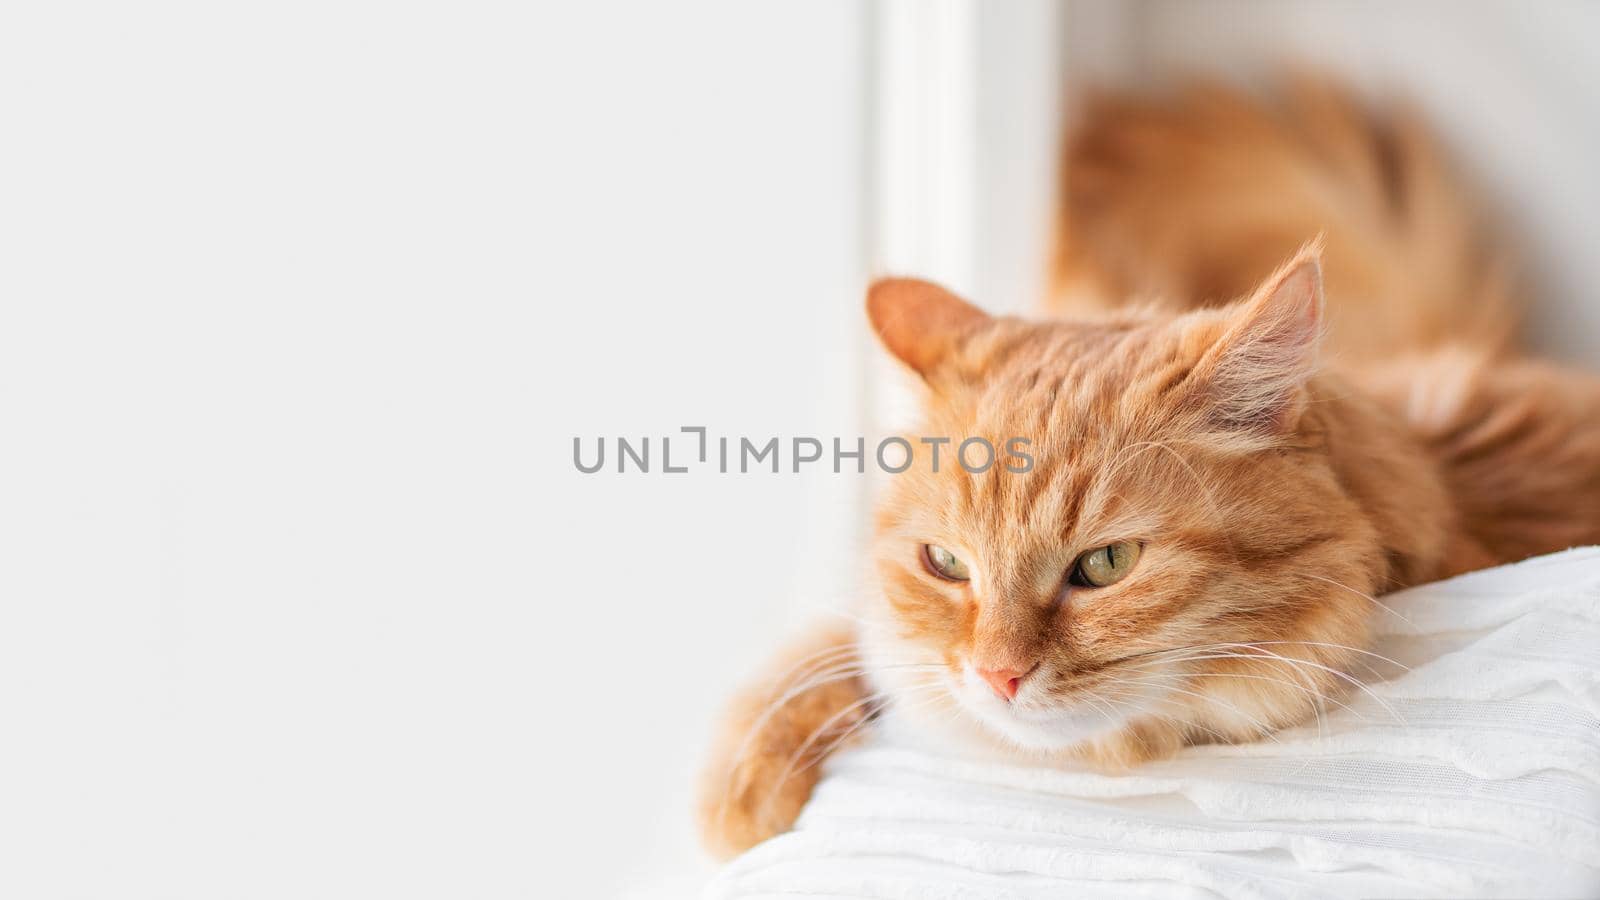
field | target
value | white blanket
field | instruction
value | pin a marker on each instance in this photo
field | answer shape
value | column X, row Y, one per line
column 1474, row 773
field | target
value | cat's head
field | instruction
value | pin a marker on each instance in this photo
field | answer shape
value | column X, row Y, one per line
column 1179, row 525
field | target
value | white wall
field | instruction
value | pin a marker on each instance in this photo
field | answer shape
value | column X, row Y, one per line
column 301, row 305
column 1514, row 88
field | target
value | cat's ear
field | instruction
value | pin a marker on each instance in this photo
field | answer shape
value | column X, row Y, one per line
column 921, row 323
column 1256, row 371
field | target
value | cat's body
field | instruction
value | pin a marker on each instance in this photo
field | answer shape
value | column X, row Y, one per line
column 1216, row 506
column 1192, row 200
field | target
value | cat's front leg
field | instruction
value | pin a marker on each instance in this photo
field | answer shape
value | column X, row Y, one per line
column 766, row 757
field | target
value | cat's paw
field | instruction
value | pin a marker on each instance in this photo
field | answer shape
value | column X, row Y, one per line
column 757, row 795
column 769, row 755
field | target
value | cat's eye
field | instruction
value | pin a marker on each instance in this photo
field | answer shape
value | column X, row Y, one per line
column 944, row 564
column 1105, row 565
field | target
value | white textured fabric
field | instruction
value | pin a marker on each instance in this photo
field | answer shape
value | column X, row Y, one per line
column 1480, row 778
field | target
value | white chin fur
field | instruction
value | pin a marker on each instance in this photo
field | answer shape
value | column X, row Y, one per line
column 1032, row 724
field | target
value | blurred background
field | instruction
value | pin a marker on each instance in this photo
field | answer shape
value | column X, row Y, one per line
column 303, row 304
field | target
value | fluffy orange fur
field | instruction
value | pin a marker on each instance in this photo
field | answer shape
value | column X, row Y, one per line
column 1191, row 199
column 1276, row 490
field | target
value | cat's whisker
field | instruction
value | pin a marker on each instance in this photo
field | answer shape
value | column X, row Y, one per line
column 834, row 745
column 816, row 659
column 1345, row 676
column 841, row 670
column 1310, row 689
column 1263, row 728
column 838, row 670
column 1319, row 695
column 1261, row 654
column 1135, row 701
column 1099, row 705
column 1222, row 651
column 1318, row 710
column 875, row 697
column 1325, row 644
column 1365, row 596
column 1333, row 646
column 814, row 670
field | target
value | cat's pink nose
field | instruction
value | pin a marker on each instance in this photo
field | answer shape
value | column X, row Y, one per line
column 1004, row 681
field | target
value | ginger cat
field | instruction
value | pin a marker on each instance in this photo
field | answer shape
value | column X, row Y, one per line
column 1222, row 489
